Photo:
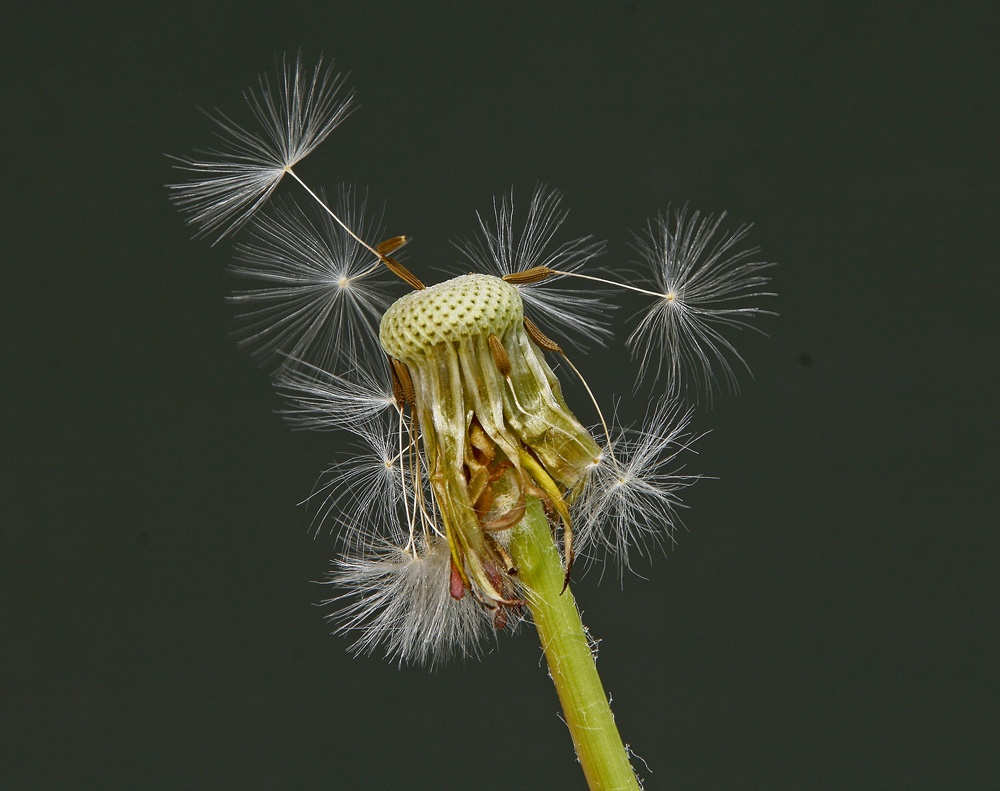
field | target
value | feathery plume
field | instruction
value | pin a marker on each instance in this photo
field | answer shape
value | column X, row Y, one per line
column 398, row 600
column 631, row 497
column 702, row 283
column 226, row 185
column 323, row 401
column 369, row 492
column 323, row 292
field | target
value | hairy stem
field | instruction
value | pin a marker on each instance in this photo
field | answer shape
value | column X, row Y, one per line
column 584, row 703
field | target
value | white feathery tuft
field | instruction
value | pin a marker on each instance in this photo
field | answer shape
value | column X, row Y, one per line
column 226, row 185
column 323, row 401
column 701, row 282
column 500, row 250
column 370, row 488
column 630, row 498
column 324, row 293
column 399, row 601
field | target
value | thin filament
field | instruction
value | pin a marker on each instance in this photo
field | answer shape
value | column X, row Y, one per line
column 600, row 414
column 610, row 283
column 411, row 545
column 329, row 211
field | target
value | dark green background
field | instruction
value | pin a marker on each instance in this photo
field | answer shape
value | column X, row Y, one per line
column 829, row 618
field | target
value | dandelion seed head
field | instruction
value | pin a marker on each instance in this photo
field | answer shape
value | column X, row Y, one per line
column 447, row 313
column 494, row 427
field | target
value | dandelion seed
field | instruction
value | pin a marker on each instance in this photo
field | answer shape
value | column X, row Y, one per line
column 631, row 497
column 494, row 426
column 399, row 602
column 500, row 249
column 228, row 184
column 368, row 492
column 324, row 293
column 701, row 283
column 323, row 401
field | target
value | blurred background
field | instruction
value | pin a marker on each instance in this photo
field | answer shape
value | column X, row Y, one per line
column 827, row 618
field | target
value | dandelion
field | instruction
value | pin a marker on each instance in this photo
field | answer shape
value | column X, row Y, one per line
column 476, row 485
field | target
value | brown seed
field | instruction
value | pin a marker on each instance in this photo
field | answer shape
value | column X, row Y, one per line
column 457, row 588
column 540, row 338
column 500, row 356
column 533, row 275
column 402, row 376
column 402, row 272
column 390, row 245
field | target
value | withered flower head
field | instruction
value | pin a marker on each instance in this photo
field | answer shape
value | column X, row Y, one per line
column 492, row 420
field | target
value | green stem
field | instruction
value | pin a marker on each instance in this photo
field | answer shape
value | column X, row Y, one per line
column 584, row 702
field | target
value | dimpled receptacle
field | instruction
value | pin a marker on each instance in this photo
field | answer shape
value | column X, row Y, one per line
column 465, row 306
